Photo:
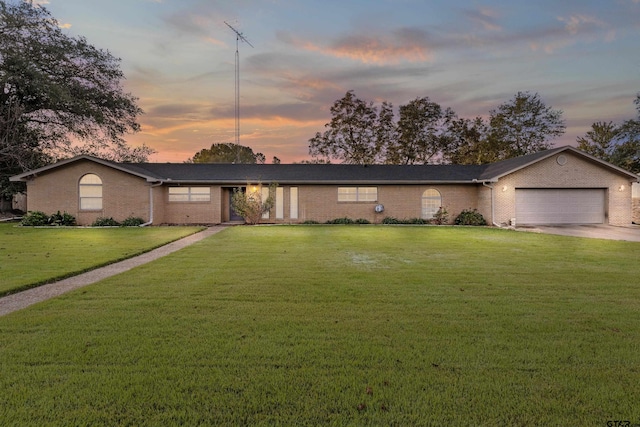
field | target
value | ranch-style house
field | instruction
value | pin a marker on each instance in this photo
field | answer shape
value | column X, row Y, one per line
column 558, row 186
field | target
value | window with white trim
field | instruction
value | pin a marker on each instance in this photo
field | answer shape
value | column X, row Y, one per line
column 189, row 194
column 265, row 196
column 279, row 203
column 293, row 203
column 357, row 194
column 431, row 203
column 90, row 192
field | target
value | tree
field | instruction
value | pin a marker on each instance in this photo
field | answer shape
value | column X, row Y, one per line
column 227, row 152
column 386, row 134
column 616, row 144
column 524, row 125
column 468, row 143
column 600, row 140
column 250, row 205
column 422, row 130
column 351, row 134
column 61, row 96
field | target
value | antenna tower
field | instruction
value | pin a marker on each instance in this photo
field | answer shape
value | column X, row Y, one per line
column 239, row 37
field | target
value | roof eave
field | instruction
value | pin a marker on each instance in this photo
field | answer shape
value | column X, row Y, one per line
column 320, row 182
column 24, row 176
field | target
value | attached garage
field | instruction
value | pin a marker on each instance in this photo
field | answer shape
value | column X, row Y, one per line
column 536, row 206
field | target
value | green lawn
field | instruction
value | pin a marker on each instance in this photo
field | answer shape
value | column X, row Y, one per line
column 342, row 325
column 32, row 256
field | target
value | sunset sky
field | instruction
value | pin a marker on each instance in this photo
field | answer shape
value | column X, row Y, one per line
column 581, row 56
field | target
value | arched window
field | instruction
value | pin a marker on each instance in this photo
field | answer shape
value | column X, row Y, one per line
column 431, row 202
column 90, row 191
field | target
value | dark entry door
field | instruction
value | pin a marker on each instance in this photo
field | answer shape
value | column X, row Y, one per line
column 233, row 215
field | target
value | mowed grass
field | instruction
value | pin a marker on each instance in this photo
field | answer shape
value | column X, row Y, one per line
column 339, row 325
column 32, row 256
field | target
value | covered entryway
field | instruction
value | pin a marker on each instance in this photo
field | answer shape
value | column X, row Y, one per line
column 560, row 206
column 233, row 215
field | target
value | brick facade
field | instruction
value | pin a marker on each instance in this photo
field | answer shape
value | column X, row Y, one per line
column 577, row 172
column 125, row 194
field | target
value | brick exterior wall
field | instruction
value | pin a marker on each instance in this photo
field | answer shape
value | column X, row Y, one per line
column 320, row 202
column 123, row 194
column 126, row 195
column 576, row 173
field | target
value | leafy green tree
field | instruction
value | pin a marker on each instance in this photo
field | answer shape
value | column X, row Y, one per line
column 249, row 203
column 600, row 140
column 227, row 152
column 387, row 135
column 351, row 133
column 422, row 128
column 469, row 143
column 61, row 96
column 618, row 144
column 524, row 125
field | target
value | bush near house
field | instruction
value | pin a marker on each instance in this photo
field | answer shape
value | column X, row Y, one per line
column 132, row 222
column 470, row 217
column 39, row 219
column 105, row 222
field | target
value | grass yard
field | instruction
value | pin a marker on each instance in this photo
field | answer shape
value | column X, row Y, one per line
column 339, row 325
column 33, row 256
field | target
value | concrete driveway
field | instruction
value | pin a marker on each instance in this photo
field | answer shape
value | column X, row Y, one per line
column 629, row 233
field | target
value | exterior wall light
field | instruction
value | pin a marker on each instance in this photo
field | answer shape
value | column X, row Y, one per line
column 621, row 188
column 504, row 188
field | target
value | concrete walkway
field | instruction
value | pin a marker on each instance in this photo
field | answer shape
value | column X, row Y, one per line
column 630, row 233
column 24, row 299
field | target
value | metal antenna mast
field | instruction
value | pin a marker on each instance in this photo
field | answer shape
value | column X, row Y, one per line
column 239, row 36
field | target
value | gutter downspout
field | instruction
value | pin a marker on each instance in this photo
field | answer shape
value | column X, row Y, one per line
column 493, row 209
column 151, row 187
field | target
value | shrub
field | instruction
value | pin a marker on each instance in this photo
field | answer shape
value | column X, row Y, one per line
column 391, row 220
column 132, row 222
column 362, row 221
column 59, row 219
column 310, row 221
column 343, row 220
column 441, row 217
column 105, row 222
column 35, row 219
column 249, row 204
column 470, row 217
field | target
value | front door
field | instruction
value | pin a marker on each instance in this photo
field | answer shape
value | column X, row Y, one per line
column 233, row 215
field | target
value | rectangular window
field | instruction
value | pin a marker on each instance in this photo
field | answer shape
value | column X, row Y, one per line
column 189, row 194
column 279, row 203
column 293, row 203
column 91, row 197
column 265, row 196
column 357, row 194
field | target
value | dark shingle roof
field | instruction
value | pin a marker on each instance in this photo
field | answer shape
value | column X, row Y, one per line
column 233, row 174
column 304, row 173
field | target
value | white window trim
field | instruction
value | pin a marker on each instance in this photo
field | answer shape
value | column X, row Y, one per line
column 293, row 203
column 191, row 195
column 360, row 193
column 82, row 197
column 279, row 203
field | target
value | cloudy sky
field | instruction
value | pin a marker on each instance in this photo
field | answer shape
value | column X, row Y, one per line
column 178, row 56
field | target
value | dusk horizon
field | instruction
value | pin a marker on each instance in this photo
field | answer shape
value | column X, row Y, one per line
column 179, row 60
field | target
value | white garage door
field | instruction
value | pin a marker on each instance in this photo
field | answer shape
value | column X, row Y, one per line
column 560, row 206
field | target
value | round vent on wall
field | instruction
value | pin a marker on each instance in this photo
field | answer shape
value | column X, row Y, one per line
column 562, row 160
column 379, row 208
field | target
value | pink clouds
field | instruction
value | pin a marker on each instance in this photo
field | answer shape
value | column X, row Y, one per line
column 402, row 45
